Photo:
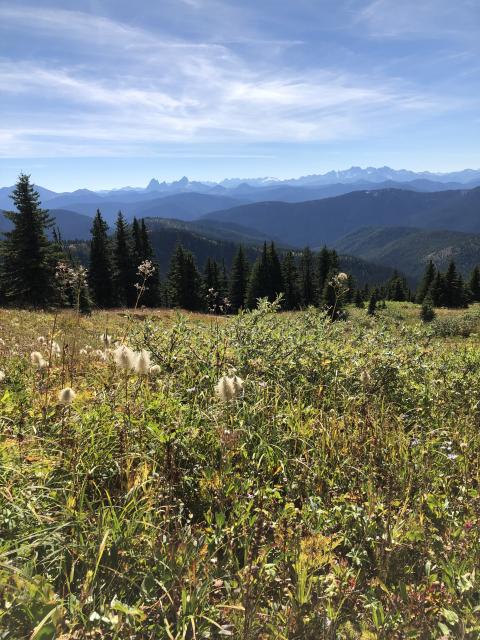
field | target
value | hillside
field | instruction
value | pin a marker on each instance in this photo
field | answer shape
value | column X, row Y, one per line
column 72, row 225
column 325, row 221
column 409, row 249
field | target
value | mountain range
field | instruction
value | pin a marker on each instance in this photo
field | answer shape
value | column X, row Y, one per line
column 386, row 217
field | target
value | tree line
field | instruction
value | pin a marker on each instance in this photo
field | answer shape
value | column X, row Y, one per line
column 122, row 271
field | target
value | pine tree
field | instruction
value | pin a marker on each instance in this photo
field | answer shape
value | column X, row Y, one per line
column 324, row 266
column 100, row 273
column 259, row 282
column 474, row 285
column 184, row 282
column 152, row 296
column 372, row 304
column 290, row 280
column 238, row 280
column 306, row 279
column 275, row 276
column 427, row 281
column 358, row 299
column 454, row 288
column 28, row 257
column 427, row 312
column 396, row 288
column 437, row 291
column 212, row 286
column 124, row 268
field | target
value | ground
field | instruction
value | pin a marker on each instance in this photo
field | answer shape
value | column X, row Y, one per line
column 336, row 497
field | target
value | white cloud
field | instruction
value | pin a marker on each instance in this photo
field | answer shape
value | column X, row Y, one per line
column 124, row 89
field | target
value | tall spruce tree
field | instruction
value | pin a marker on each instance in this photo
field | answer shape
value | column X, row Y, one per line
column 306, row 279
column 474, row 285
column 100, row 273
column 275, row 275
column 427, row 281
column 454, row 288
column 323, row 269
column 290, row 280
column 28, row 257
column 184, row 282
column 238, row 280
column 124, row 267
column 437, row 291
column 259, row 282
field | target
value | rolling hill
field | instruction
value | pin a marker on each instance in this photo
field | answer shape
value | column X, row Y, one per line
column 325, row 221
column 409, row 249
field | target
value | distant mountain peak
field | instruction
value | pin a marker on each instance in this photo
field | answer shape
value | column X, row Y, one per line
column 153, row 185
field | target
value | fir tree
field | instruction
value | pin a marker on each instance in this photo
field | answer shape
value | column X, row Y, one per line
column 184, row 282
column 474, row 285
column 238, row 280
column 212, row 286
column 454, row 288
column 427, row 312
column 437, row 290
column 306, row 279
column 124, row 267
column 358, row 299
column 275, row 276
column 100, row 273
column 372, row 304
column 324, row 266
column 427, row 281
column 259, row 282
column 28, row 257
column 152, row 295
column 290, row 280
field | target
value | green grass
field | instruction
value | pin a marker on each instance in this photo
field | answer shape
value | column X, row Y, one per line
column 327, row 503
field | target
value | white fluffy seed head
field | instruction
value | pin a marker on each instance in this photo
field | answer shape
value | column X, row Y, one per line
column 37, row 360
column 56, row 349
column 41, row 339
column 2, row 376
column 229, row 387
column 105, row 339
column 142, row 363
column 83, row 352
column 2, row 342
column 66, row 396
column 155, row 370
column 124, row 357
column 365, row 377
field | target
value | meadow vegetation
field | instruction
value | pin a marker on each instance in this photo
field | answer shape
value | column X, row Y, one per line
column 336, row 495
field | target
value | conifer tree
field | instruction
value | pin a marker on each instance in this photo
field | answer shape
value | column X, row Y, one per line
column 427, row 281
column 100, row 273
column 454, row 288
column 427, row 312
column 372, row 304
column 474, row 285
column 212, row 286
column 238, row 280
column 290, row 280
column 275, row 276
column 324, row 267
column 152, row 295
column 437, row 290
column 358, row 299
column 184, row 282
column 124, row 267
column 306, row 279
column 259, row 282
column 28, row 256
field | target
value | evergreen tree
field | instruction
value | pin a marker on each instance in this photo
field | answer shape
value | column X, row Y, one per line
column 324, row 266
column 124, row 267
column 397, row 288
column 212, row 286
column 275, row 276
column 27, row 255
column 290, row 280
column 100, row 273
column 259, row 282
column 306, row 279
column 358, row 299
column 184, row 282
column 427, row 312
column 474, row 285
column 427, row 282
column 437, row 291
column 454, row 288
column 238, row 280
column 152, row 295
column 372, row 304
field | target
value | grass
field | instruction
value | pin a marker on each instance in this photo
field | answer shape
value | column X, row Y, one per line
column 338, row 499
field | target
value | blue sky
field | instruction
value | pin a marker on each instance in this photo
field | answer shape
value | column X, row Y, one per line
column 104, row 93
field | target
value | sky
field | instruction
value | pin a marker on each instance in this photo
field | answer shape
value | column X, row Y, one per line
column 109, row 93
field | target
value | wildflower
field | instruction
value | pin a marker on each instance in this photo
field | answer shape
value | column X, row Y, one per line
column 41, row 339
column 37, row 360
column 146, row 269
column 66, row 396
column 365, row 378
column 142, row 363
column 342, row 277
column 101, row 355
column 56, row 349
column 105, row 339
column 2, row 376
column 2, row 342
column 124, row 357
column 228, row 388
column 83, row 352
column 155, row 369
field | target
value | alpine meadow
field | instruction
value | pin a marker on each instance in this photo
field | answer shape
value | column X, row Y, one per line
column 235, row 407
